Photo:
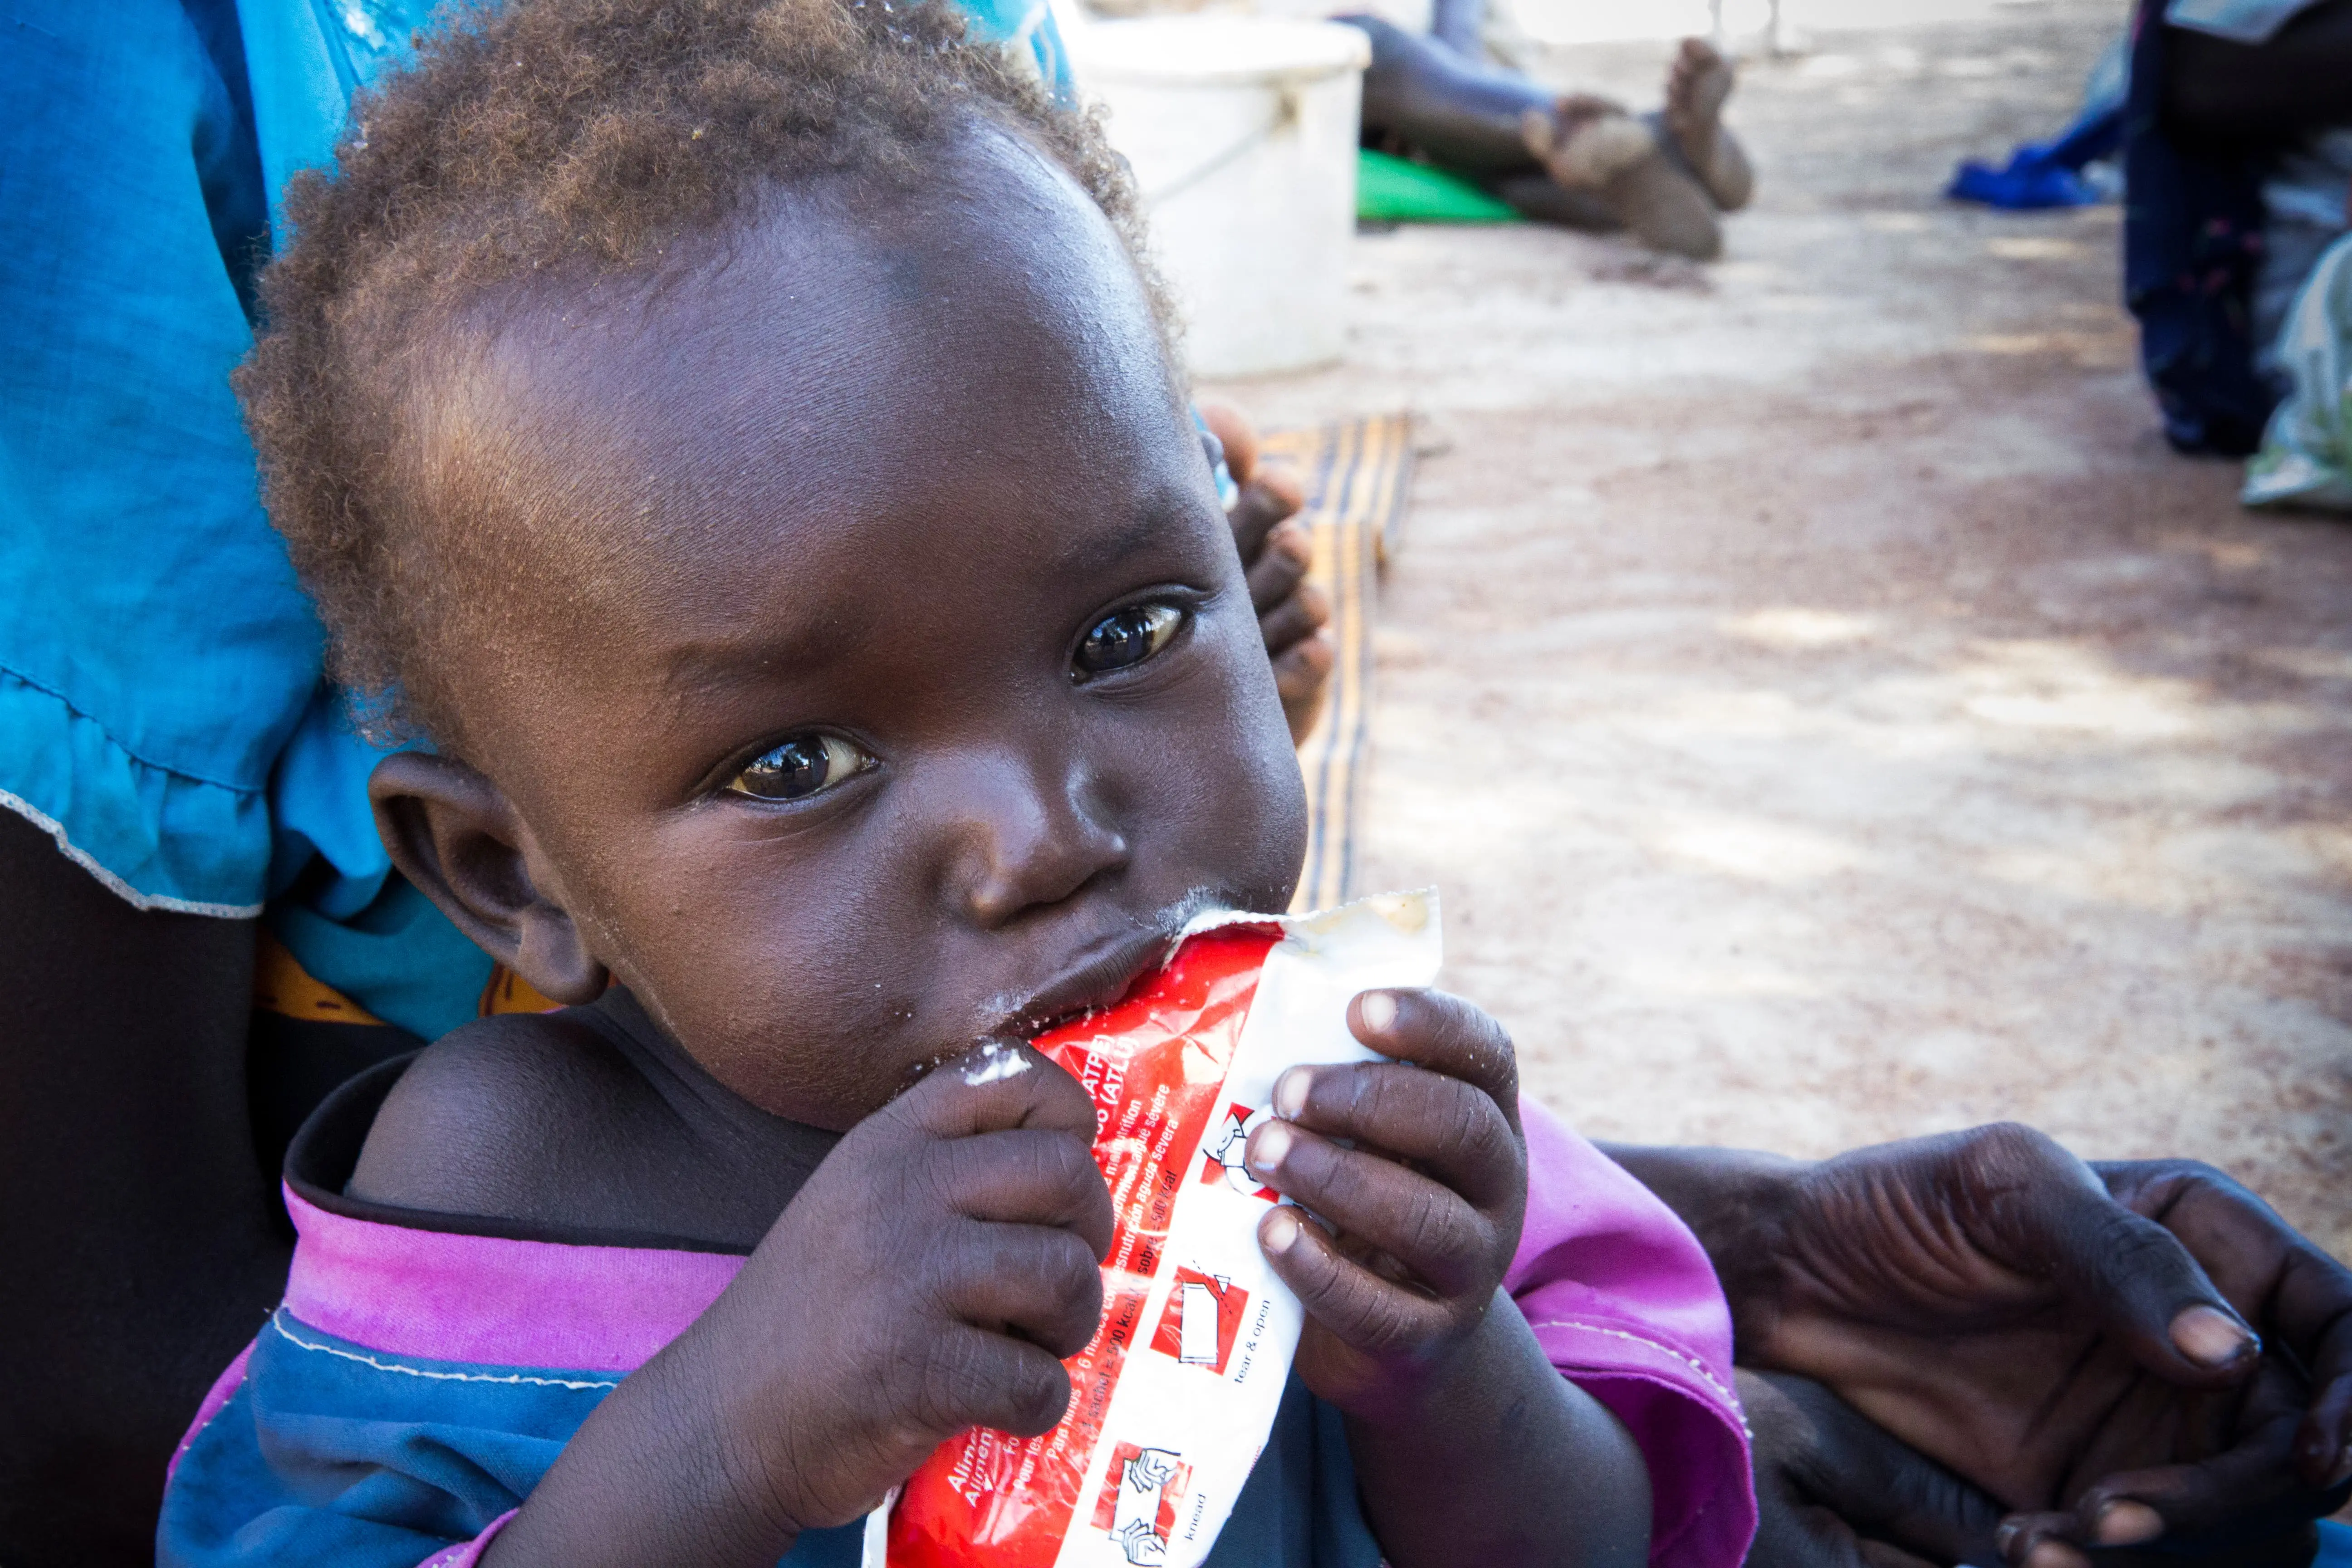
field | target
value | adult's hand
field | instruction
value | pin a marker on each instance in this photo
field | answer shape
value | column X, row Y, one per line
column 1275, row 554
column 2289, row 1455
column 1835, row 1490
column 1983, row 1297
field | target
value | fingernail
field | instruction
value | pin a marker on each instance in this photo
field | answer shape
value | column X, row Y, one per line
column 2124, row 1522
column 2055, row 1555
column 1280, row 1232
column 2343, row 1470
column 1269, row 1146
column 1290, row 1092
column 2005, row 1537
column 1377, row 1009
column 2211, row 1337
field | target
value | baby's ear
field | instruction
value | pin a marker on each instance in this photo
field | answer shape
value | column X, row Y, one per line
column 455, row 834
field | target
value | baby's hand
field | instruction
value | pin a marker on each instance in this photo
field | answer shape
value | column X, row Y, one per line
column 928, row 1279
column 1426, row 1204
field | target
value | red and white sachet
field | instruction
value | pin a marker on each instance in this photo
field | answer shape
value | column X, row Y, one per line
column 1171, row 1401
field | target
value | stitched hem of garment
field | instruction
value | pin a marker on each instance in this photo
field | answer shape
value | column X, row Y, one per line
column 85, row 716
column 114, row 884
column 277, row 1326
column 216, row 1403
column 1684, row 1357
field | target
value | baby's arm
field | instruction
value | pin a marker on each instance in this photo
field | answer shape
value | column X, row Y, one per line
column 1469, row 1446
column 924, row 1281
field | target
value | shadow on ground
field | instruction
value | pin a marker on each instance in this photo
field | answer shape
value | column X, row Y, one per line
column 1828, row 710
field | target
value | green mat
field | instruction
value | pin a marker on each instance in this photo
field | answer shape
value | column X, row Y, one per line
column 1390, row 190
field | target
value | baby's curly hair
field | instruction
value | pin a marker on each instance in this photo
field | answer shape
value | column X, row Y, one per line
column 544, row 140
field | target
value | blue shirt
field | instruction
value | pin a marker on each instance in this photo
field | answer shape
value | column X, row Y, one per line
column 421, row 1375
column 161, row 707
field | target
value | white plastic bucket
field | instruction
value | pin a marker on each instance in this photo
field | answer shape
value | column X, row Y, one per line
column 1242, row 134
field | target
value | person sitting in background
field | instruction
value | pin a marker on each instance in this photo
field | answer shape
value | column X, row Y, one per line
column 1575, row 159
column 2237, row 168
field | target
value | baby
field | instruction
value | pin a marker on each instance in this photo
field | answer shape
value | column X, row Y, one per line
column 742, row 437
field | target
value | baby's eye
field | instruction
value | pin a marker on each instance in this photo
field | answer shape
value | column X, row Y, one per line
column 1128, row 637
column 800, row 767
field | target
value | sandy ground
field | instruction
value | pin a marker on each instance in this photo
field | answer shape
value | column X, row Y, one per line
column 1828, row 710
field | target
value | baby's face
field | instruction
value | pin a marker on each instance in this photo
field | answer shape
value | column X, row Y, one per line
column 879, row 672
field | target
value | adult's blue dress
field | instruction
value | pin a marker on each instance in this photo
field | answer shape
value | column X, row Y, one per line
column 161, row 707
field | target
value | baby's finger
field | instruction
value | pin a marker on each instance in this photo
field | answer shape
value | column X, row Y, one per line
column 1455, row 1131
column 992, row 1087
column 1026, row 1281
column 1300, row 669
column 1297, row 618
column 1444, row 1034
column 1026, row 1176
column 969, row 1377
column 1430, row 1231
column 1279, row 568
column 1259, row 511
column 1364, row 1310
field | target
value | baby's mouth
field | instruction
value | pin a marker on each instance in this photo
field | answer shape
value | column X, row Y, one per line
column 1103, row 971
column 1087, row 986
column 1090, row 985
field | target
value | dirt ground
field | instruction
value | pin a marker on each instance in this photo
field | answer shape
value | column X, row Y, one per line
column 1828, row 710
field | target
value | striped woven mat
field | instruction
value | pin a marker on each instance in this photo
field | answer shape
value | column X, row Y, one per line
column 1357, row 473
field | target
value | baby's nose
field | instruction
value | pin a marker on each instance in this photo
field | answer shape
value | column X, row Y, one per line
column 1026, row 836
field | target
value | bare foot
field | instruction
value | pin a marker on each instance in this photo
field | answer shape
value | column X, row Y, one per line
column 1585, row 141
column 1698, row 83
column 1591, row 145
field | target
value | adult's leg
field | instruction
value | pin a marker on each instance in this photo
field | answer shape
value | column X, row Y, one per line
column 1465, row 115
column 1517, row 134
column 2221, row 94
column 1459, row 25
column 1538, row 196
column 134, row 1217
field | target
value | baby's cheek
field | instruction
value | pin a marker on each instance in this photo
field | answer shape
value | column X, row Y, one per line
column 802, row 1030
column 1260, row 795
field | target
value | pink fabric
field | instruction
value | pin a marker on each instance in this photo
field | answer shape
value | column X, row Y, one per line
column 487, row 1298
column 1625, row 1302
column 223, row 1389
column 1617, row 1290
column 466, row 1554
